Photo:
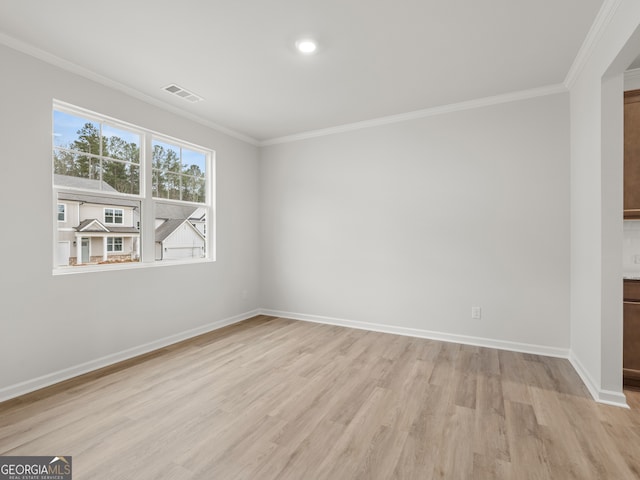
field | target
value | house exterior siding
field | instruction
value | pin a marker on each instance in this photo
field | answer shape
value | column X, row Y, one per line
column 70, row 233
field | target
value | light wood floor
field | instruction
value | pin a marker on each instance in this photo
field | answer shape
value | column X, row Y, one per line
column 280, row 399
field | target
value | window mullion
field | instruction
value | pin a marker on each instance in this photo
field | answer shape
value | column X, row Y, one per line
column 147, row 225
column 100, row 153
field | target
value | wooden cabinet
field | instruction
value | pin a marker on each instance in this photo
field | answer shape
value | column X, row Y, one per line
column 631, row 343
column 632, row 154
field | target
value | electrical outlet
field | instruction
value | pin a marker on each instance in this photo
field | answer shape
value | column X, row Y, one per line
column 476, row 313
column 636, row 259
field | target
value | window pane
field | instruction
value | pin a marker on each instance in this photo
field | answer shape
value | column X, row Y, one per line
column 113, row 215
column 69, row 164
column 76, row 133
column 121, row 177
column 166, row 185
column 179, row 232
column 193, row 189
column 194, row 163
column 173, row 185
column 166, row 157
column 121, row 144
column 155, row 184
column 61, row 212
column 87, row 242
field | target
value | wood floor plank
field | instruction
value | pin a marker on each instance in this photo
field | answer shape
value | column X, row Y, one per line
column 305, row 460
column 273, row 398
column 526, row 443
column 491, row 468
column 455, row 460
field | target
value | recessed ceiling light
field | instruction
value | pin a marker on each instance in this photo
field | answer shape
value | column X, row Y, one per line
column 306, row 46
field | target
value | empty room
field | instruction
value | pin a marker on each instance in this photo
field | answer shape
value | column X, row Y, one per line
column 333, row 240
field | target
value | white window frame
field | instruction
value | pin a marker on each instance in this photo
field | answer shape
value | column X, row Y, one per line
column 112, row 240
column 113, row 215
column 64, row 212
column 147, row 201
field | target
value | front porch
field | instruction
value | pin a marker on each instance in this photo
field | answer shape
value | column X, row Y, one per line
column 99, row 248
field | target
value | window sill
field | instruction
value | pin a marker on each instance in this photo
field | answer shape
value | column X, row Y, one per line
column 125, row 266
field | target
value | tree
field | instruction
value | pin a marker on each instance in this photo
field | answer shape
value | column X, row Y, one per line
column 116, row 162
column 166, row 173
column 122, row 173
column 193, row 184
column 124, row 177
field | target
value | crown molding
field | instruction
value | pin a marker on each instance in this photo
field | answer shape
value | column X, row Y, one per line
column 47, row 57
column 428, row 112
column 605, row 14
column 59, row 62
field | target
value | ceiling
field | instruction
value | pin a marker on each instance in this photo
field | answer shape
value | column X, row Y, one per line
column 376, row 57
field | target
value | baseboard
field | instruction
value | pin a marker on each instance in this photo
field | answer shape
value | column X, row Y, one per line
column 16, row 390
column 608, row 397
column 602, row 396
column 432, row 335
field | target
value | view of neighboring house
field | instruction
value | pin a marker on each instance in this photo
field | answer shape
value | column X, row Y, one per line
column 198, row 219
column 93, row 229
column 180, row 232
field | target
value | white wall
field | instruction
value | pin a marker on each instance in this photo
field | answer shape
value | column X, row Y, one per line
column 410, row 224
column 596, row 204
column 52, row 323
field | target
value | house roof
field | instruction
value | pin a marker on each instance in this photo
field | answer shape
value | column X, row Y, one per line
column 79, row 182
column 168, row 211
column 89, row 184
column 91, row 225
column 167, row 228
column 123, row 229
column 82, row 198
column 199, row 215
column 95, row 225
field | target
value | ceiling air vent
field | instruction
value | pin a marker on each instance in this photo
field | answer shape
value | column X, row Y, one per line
column 182, row 93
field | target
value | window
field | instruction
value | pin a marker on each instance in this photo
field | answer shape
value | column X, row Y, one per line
column 114, row 244
column 62, row 212
column 105, row 176
column 178, row 173
column 96, row 150
column 113, row 215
